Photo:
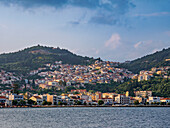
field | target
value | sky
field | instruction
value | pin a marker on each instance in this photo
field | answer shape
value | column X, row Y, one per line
column 114, row 30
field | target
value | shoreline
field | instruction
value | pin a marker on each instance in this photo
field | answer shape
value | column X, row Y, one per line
column 79, row 106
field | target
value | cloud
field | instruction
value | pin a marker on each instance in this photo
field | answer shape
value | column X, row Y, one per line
column 155, row 50
column 108, row 12
column 104, row 18
column 113, row 42
column 80, row 20
column 35, row 3
column 167, row 33
column 97, row 51
column 74, row 22
column 93, row 52
column 153, row 14
column 143, row 44
column 112, row 12
column 138, row 44
column 3, row 26
column 121, row 51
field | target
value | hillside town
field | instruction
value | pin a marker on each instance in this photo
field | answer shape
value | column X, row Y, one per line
column 146, row 75
column 60, row 76
column 8, row 77
column 100, row 72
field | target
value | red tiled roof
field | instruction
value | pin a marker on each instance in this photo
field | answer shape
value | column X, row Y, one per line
column 73, row 97
column 3, row 97
column 165, row 99
column 37, row 97
column 106, row 98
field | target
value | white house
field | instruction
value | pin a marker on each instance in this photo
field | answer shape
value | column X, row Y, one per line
column 154, row 99
column 166, row 100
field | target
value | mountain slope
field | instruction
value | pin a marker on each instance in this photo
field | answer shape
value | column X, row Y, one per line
column 159, row 86
column 35, row 57
column 147, row 62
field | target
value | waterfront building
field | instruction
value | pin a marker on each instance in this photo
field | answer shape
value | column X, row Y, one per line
column 43, row 97
column 13, row 97
column 153, row 99
column 143, row 93
column 107, row 101
column 37, row 99
column 122, row 99
column 2, row 100
column 140, row 99
column 165, row 100
column 54, row 99
column 16, row 97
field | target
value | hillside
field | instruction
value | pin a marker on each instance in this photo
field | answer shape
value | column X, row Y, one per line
column 36, row 56
column 147, row 62
column 159, row 86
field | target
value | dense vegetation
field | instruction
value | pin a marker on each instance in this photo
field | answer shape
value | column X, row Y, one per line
column 35, row 57
column 147, row 62
column 159, row 87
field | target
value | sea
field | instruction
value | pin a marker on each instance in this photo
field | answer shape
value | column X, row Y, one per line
column 85, row 117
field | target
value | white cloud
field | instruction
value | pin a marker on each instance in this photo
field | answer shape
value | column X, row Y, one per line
column 144, row 44
column 97, row 52
column 75, row 51
column 167, row 33
column 105, row 2
column 137, row 44
column 91, row 52
column 153, row 14
column 3, row 26
column 113, row 42
column 155, row 50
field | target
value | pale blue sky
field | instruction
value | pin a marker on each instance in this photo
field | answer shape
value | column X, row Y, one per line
column 115, row 30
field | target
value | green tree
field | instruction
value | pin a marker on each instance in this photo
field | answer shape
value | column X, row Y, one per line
column 158, row 103
column 22, row 103
column 79, row 103
column 65, row 103
column 60, row 103
column 76, row 93
column 44, row 103
column 49, row 103
column 100, row 102
column 136, row 102
column 14, row 102
column 154, row 103
column 30, row 102
column 147, row 103
column 162, row 103
column 15, row 88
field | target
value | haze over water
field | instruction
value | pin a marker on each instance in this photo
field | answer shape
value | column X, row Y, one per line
column 85, row 117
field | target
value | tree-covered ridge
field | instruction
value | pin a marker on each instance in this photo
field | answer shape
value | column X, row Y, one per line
column 159, row 87
column 35, row 57
column 157, row 59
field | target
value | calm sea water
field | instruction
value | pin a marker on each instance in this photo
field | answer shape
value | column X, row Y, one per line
column 85, row 118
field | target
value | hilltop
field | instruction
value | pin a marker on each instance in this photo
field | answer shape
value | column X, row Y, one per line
column 34, row 57
column 157, row 59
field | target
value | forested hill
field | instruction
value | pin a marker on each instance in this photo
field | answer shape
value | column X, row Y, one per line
column 36, row 56
column 147, row 62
